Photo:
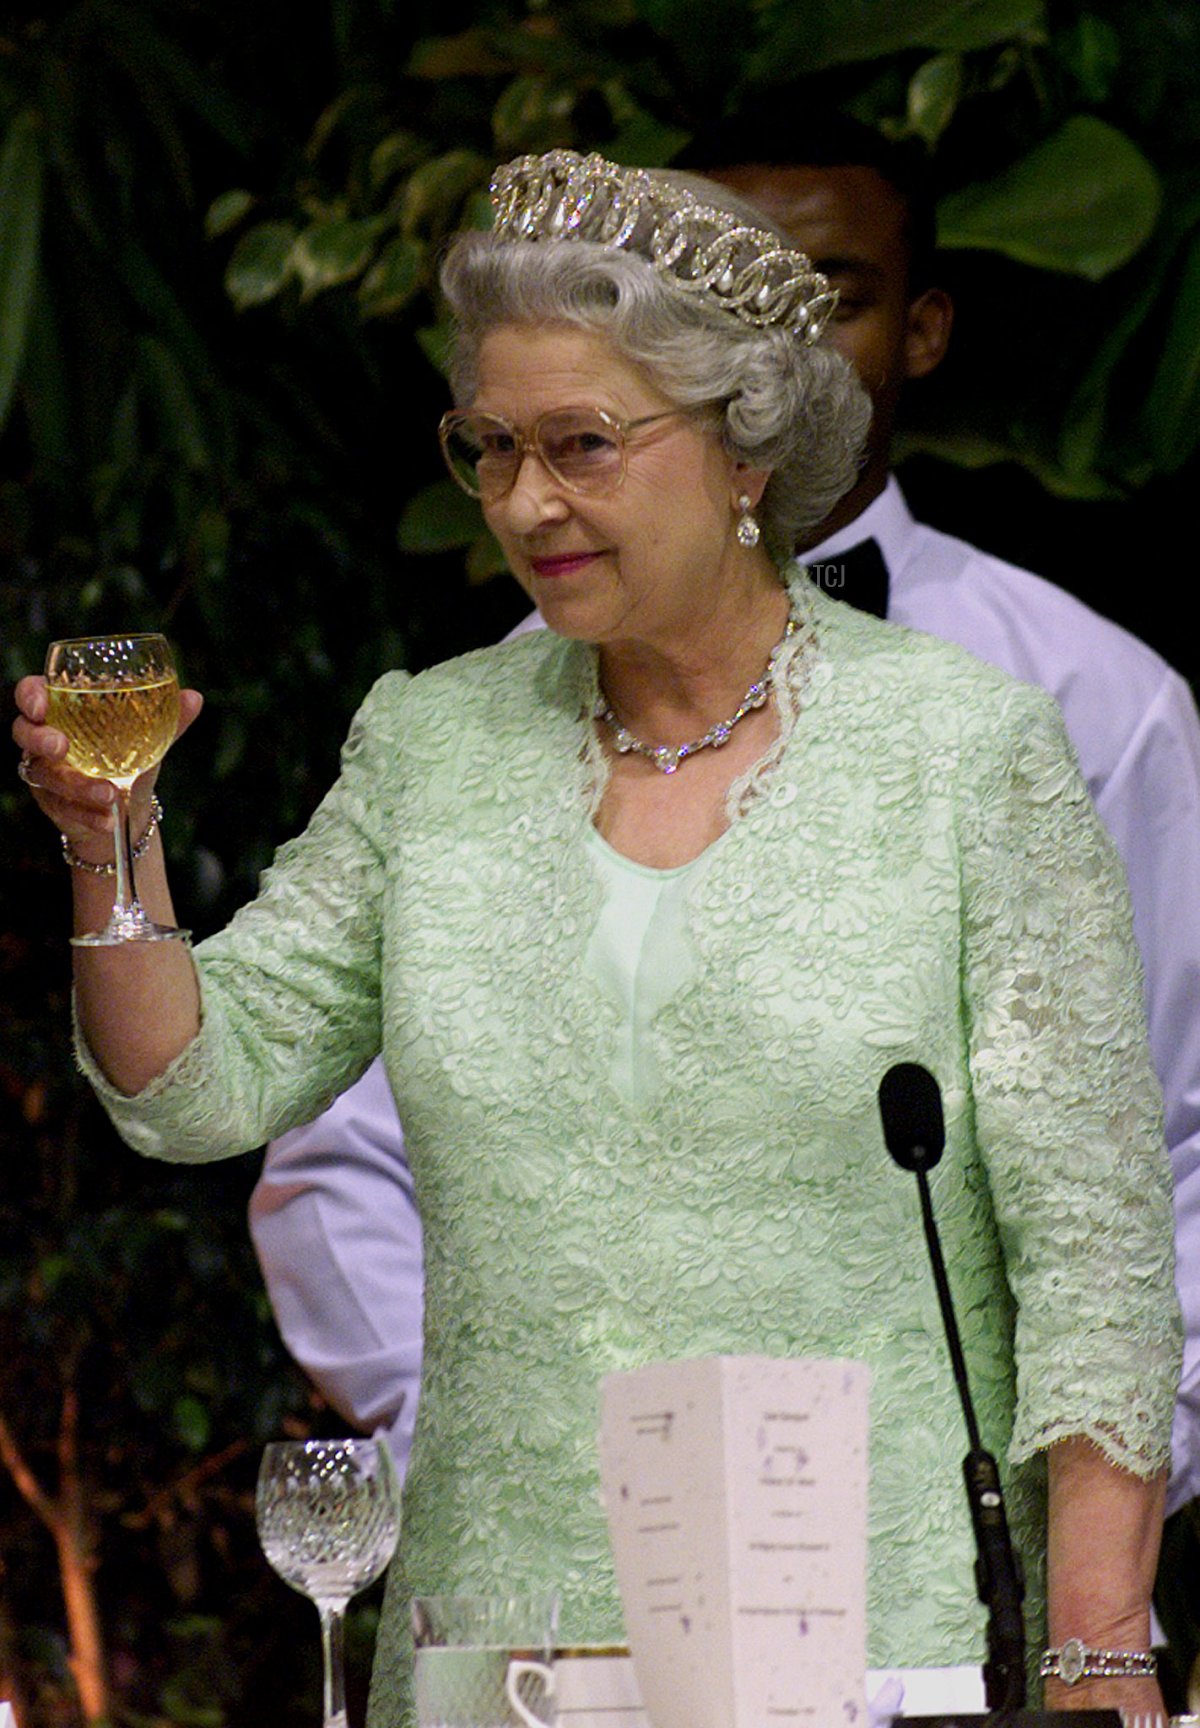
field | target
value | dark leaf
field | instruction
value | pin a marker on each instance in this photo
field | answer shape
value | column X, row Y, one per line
column 334, row 250
column 641, row 138
column 485, row 560
column 469, row 55
column 533, row 114
column 227, row 211
column 1090, row 49
column 933, row 95
column 163, row 64
column 397, row 274
column 437, row 519
column 705, row 38
column 261, row 264
column 1168, row 424
column 795, row 40
column 20, row 224
column 1083, row 201
column 434, row 342
column 434, row 193
column 181, row 426
column 398, row 153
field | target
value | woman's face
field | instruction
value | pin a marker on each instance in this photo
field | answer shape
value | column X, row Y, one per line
column 652, row 560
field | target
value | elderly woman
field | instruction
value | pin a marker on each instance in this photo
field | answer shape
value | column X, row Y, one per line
column 641, row 908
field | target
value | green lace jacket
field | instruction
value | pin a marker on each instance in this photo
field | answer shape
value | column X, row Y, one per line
column 915, row 874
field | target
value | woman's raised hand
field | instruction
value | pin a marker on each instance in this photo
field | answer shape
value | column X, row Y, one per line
column 136, row 992
column 80, row 807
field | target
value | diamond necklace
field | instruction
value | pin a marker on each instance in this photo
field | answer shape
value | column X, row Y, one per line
column 667, row 757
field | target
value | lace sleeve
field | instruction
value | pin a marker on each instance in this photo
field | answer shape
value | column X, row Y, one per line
column 290, row 989
column 1067, row 1107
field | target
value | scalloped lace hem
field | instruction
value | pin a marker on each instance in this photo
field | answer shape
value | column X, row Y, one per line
column 1145, row 1463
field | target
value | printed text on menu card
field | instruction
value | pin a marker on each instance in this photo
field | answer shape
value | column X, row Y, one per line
column 736, row 1495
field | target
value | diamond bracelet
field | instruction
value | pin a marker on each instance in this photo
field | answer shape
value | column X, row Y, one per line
column 139, row 851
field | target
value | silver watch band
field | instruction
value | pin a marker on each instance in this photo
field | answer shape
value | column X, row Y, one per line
column 1074, row 1661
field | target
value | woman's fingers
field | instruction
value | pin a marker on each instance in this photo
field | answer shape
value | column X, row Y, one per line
column 77, row 804
column 190, row 704
column 43, row 748
column 30, row 735
column 31, row 697
column 77, row 813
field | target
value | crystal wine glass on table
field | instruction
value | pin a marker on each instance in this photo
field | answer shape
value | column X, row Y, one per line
column 328, row 1514
column 116, row 699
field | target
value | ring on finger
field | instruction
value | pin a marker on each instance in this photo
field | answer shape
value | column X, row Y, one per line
column 23, row 767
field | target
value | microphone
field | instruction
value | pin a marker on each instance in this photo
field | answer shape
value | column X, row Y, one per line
column 910, row 1105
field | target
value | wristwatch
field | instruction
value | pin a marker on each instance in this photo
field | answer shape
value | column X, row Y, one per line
column 1075, row 1661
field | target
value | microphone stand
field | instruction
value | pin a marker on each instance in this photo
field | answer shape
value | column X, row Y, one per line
column 998, row 1580
column 910, row 1104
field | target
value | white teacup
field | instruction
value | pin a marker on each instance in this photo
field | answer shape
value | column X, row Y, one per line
column 585, row 1685
column 464, row 1648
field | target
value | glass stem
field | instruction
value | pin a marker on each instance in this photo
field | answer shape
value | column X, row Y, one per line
column 126, row 894
column 333, row 1654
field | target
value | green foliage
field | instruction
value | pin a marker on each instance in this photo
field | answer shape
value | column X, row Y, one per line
column 262, row 262
column 1090, row 51
column 934, row 92
column 795, row 40
column 438, row 519
column 161, row 465
column 393, row 279
column 130, row 1294
column 1085, row 201
column 20, row 224
column 1048, row 146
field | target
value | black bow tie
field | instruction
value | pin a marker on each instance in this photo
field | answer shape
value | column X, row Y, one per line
column 859, row 576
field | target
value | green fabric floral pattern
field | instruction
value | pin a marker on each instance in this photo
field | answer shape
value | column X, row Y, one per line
column 915, row 874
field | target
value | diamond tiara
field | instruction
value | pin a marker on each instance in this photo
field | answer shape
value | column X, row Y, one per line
column 702, row 249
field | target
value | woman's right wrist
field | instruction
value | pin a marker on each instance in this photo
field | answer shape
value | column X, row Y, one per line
column 84, row 857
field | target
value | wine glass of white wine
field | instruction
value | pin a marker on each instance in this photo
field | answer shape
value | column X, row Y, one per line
column 328, row 1514
column 116, row 699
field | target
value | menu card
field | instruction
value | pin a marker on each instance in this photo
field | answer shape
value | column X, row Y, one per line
column 736, row 1493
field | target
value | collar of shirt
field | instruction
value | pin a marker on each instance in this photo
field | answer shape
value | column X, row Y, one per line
column 887, row 520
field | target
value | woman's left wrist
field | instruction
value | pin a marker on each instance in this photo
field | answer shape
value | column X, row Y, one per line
column 1075, row 1660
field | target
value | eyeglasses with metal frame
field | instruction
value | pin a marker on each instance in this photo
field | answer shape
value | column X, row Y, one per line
column 584, row 449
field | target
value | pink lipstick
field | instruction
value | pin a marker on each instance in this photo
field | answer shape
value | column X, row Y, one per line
column 562, row 564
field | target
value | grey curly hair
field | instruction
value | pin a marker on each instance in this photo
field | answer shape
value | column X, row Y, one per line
column 795, row 409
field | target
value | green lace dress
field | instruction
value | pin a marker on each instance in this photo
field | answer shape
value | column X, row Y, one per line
column 678, row 1152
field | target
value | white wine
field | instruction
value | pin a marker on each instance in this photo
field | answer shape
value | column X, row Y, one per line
column 116, row 700
column 115, row 731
